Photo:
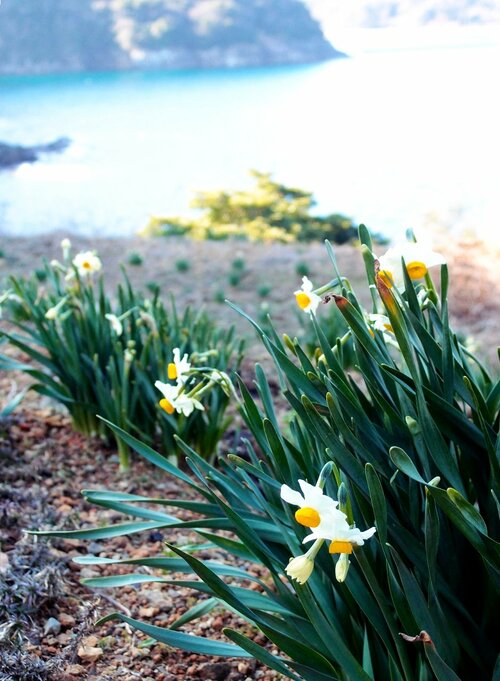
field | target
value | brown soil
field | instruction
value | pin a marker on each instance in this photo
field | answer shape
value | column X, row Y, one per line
column 44, row 467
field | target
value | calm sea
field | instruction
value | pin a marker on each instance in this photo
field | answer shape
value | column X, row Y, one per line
column 392, row 137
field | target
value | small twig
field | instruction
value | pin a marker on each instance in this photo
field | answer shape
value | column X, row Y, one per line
column 114, row 602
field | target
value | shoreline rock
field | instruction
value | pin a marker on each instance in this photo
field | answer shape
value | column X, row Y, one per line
column 13, row 155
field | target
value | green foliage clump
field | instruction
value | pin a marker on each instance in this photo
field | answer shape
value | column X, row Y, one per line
column 99, row 357
column 408, row 444
column 41, row 274
column 269, row 212
column 182, row 265
column 302, row 269
column 238, row 264
column 264, row 290
column 135, row 259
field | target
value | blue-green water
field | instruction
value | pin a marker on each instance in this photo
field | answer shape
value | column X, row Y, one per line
column 388, row 137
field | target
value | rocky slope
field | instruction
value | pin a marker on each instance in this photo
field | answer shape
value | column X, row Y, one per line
column 48, row 36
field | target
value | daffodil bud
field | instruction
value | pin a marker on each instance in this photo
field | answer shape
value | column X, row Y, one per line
column 342, row 495
column 51, row 313
column 413, row 426
column 66, row 247
column 300, row 568
column 342, row 567
column 326, row 471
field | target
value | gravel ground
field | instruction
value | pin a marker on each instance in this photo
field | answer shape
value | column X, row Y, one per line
column 49, row 614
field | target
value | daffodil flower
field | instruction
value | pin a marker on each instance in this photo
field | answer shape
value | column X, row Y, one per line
column 87, row 263
column 179, row 368
column 307, row 299
column 174, row 399
column 381, row 322
column 326, row 521
column 418, row 259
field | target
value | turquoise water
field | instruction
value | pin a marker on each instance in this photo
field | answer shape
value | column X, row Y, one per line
column 388, row 137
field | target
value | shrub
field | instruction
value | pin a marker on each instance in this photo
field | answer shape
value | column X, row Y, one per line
column 153, row 287
column 103, row 358
column 182, row 265
column 302, row 269
column 234, row 279
column 238, row 264
column 408, row 444
column 270, row 212
column 264, row 290
column 135, row 259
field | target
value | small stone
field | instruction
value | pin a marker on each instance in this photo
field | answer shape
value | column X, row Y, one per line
column 66, row 619
column 88, row 573
column 148, row 612
column 94, row 547
column 75, row 669
column 52, row 626
column 215, row 671
column 4, row 562
column 89, row 653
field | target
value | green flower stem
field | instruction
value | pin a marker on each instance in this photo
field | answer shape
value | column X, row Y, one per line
column 123, row 455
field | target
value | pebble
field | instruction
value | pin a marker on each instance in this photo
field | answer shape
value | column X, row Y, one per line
column 75, row 669
column 88, row 573
column 89, row 653
column 214, row 671
column 94, row 547
column 4, row 562
column 52, row 626
column 66, row 619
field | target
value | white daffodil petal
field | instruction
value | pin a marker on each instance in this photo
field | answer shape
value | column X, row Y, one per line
column 291, row 496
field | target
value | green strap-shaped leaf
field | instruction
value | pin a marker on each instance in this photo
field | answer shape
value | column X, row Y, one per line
column 378, row 503
column 198, row 610
column 178, row 639
column 260, row 653
column 442, row 671
column 100, row 532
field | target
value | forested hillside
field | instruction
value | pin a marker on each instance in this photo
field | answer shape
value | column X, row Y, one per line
column 43, row 36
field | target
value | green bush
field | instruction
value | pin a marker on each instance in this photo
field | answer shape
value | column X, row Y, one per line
column 269, row 212
column 264, row 290
column 135, row 259
column 238, row 264
column 302, row 269
column 234, row 279
column 408, row 443
column 99, row 357
column 182, row 265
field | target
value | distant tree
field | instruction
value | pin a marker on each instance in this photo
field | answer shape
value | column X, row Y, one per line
column 269, row 212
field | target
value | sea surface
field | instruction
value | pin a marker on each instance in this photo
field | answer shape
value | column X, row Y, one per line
column 395, row 136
